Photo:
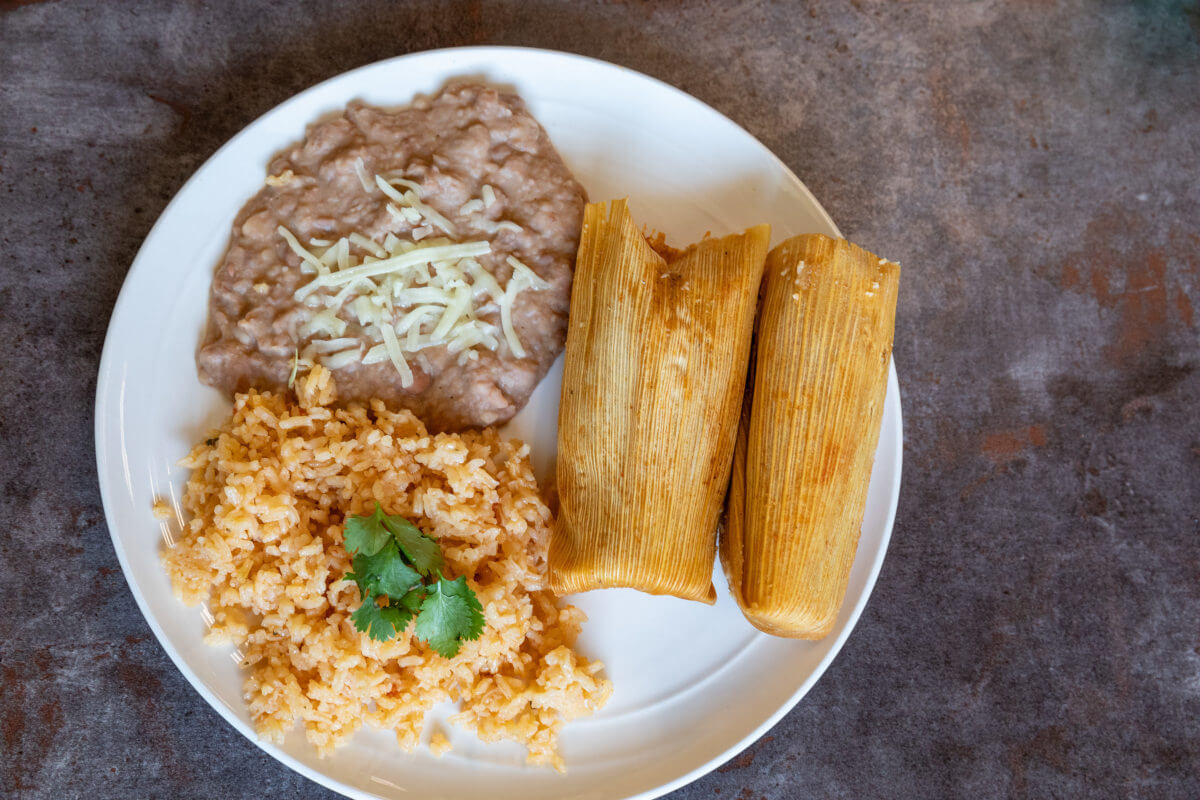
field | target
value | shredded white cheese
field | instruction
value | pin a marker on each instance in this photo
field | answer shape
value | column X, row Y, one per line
column 431, row 254
column 395, row 353
column 282, row 179
column 341, row 360
column 368, row 245
column 491, row 226
column 307, row 258
column 325, row 346
column 522, row 278
column 411, row 199
column 399, row 180
column 326, row 322
column 361, row 170
column 408, row 294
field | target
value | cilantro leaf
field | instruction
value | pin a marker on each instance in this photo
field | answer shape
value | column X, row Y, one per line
column 421, row 551
column 380, row 623
column 366, row 535
column 394, row 561
column 449, row 614
column 398, row 616
column 412, row 600
column 383, row 573
column 459, row 588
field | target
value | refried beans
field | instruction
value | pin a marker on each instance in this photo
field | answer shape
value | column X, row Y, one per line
column 454, row 146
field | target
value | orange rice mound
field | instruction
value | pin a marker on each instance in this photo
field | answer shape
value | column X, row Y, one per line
column 263, row 548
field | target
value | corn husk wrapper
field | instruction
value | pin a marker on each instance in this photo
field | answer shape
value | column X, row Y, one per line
column 654, row 373
column 809, row 428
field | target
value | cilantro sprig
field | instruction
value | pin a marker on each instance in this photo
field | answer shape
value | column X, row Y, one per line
column 398, row 570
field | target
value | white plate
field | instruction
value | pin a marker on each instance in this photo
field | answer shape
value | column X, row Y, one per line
column 693, row 684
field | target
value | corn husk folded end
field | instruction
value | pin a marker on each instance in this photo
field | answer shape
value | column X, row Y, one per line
column 565, row 584
column 812, row 626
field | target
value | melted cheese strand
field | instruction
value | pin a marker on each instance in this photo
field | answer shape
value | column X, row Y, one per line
column 413, row 201
column 394, row 353
column 522, row 278
column 368, row 245
column 423, row 255
column 360, row 169
column 299, row 249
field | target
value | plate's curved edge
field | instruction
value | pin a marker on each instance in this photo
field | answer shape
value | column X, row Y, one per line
column 299, row 96
column 897, row 445
column 102, row 411
column 828, row 220
column 214, row 702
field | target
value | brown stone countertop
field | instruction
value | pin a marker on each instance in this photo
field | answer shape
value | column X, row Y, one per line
column 1035, row 166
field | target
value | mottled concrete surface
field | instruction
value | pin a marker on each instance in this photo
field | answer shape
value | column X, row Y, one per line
column 1034, row 165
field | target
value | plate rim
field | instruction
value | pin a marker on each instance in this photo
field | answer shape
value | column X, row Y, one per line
column 106, row 374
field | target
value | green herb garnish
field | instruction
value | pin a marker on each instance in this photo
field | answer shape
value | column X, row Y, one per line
column 449, row 613
column 295, row 367
column 397, row 565
column 380, row 622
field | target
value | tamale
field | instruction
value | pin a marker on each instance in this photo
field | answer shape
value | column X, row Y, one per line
column 810, row 423
column 655, row 366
